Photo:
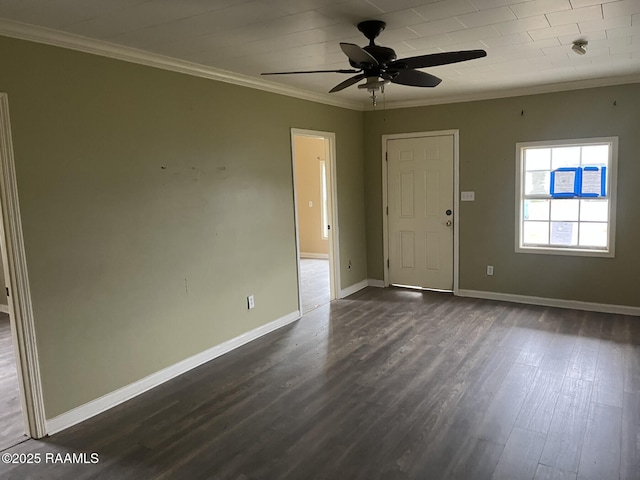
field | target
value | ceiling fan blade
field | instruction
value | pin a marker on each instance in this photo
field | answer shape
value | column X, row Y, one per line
column 435, row 59
column 358, row 55
column 312, row 71
column 347, row 83
column 415, row 78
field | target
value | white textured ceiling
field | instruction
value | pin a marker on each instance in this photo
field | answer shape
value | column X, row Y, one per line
column 528, row 43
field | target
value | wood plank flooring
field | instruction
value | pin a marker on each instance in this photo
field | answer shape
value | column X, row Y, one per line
column 314, row 273
column 386, row 384
column 11, row 425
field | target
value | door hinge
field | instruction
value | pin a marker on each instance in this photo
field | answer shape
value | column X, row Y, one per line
column 387, row 209
column 386, row 156
column 7, row 288
column 388, row 263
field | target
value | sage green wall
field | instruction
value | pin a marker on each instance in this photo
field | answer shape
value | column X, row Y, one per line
column 489, row 131
column 152, row 204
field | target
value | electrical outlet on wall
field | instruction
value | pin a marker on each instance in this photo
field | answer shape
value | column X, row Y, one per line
column 489, row 269
column 468, row 196
column 250, row 302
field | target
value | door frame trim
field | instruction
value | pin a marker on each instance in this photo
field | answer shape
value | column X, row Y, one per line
column 16, row 276
column 332, row 197
column 456, row 198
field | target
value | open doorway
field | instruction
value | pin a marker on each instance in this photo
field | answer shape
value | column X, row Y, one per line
column 12, row 418
column 316, row 225
column 21, row 402
column 12, row 428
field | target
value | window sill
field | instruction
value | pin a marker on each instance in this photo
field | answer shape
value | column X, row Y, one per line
column 573, row 252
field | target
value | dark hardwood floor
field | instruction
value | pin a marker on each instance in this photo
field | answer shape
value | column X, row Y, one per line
column 386, row 384
column 11, row 424
column 314, row 274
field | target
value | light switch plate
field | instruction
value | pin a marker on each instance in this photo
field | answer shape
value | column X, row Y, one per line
column 467, row 196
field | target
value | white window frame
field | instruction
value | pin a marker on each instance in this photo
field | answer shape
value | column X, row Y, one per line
column 612, row 175
column 323, row 200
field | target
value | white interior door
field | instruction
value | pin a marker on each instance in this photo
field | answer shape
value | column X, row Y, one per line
column 420, row 219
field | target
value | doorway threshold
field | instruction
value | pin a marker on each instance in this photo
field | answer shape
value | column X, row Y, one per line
column 423, row 289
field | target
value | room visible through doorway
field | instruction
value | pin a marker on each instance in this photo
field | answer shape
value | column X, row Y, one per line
column 12, row 426
column 312, row 165
column 11, row 419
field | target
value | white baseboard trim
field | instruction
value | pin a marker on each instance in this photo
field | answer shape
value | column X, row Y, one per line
column 372, row 282
column 552, row 302
column 356, row 287
column 314, row 255
column 4, row 308
column 110, row 400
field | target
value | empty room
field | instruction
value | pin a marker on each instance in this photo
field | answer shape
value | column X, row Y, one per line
column 469, row 306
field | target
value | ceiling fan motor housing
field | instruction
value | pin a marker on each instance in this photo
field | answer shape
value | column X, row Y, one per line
column 384, row 55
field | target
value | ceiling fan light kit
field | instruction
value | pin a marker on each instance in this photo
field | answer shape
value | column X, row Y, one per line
column 379, row 66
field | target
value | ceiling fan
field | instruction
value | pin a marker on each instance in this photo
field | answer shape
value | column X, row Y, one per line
column 378, row 65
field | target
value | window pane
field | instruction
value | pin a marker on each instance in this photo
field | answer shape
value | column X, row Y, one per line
column 595, row 155
column 565, row 157
column 593, row 235
column 535, row 233
column 568, row 225
column 537, row 158
column 536, row 210
column 594, row 210
column 564, row 233
column 565, row 209
column 537, row 183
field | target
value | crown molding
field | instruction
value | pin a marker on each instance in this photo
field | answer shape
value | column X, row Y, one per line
column 79, row 43
column 516, row 92
column 70, row 41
